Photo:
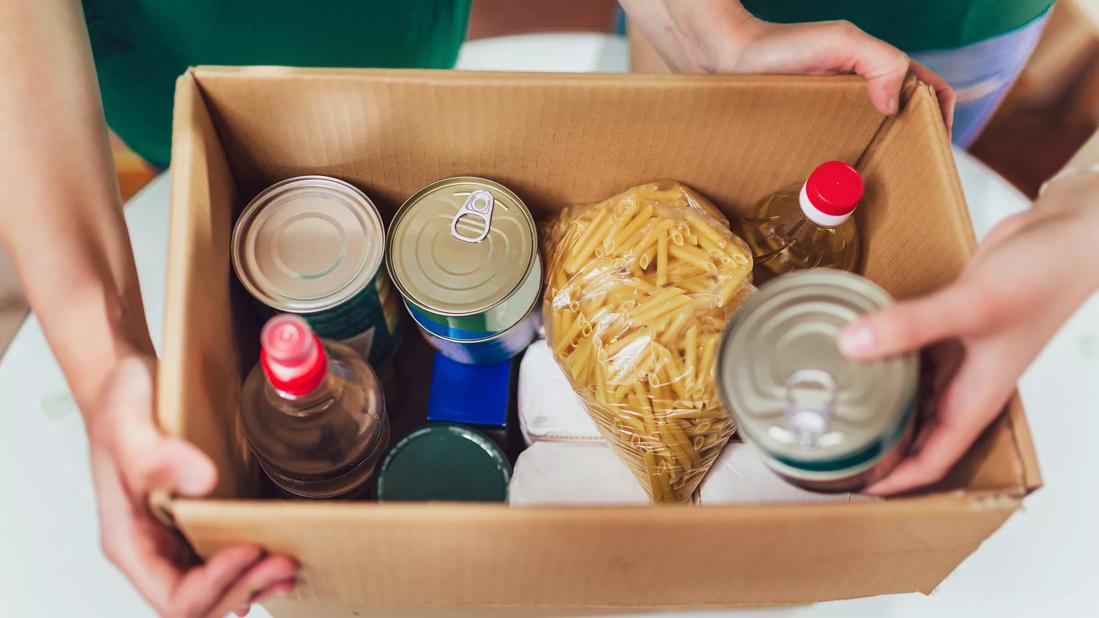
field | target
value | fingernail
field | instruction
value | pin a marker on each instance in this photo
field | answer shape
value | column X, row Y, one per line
column 856, row 341
column 893, row 105
column 243, row 611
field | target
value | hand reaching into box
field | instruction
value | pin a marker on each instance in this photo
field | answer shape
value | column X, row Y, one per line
column 721, row 36
column 1028, row 276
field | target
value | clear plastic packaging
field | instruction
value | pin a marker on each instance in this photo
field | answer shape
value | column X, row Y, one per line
column 639, row 289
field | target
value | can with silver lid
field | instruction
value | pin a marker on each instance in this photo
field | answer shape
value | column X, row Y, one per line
column 463, row 252
column 821, row 421
column 313, row 246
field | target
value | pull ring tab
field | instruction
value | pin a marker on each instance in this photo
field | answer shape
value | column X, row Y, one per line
column 809, row 417
column 479, row 204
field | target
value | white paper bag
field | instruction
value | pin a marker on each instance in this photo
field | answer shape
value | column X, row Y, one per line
column 550, row 473
column 548, row 407
column 739, row 476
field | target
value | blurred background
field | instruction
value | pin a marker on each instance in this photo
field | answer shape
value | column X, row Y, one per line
column 1052, row 110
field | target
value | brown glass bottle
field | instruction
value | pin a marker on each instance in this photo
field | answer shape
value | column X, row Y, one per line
column 313, row 413
column 807, row 225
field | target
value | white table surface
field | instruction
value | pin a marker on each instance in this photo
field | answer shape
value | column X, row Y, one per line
column 1044, row 561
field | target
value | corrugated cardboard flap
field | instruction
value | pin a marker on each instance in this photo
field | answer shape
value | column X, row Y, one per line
column 468, row 555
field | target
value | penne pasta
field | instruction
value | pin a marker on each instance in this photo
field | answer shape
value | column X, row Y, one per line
column 690, row 355
column 597, row 232
column 661, row 260
column 640, row 287
column 706, row 359
column 693, row 256
column 628, row 339
column 571, row 327
column 706, row 230
column 631, row 228
column 657, row 301
column 649, row 238
column 669, row 336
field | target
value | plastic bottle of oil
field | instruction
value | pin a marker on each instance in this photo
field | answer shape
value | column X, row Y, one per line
column 807, row 225
column 313, row 413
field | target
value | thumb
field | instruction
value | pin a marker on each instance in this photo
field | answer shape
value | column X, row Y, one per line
column 841, row 46
column 147, row 459
column 177, row 466
column 884, row 68
column 910, row 325
column 823, row 48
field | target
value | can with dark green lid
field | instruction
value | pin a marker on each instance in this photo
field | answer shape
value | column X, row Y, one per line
column 313, row 246
column 463, row 252
column 444, row 462
column 822, row 421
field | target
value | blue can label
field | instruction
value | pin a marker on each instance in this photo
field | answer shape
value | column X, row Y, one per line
column 488, row 351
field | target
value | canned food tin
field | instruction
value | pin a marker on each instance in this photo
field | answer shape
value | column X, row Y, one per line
column 822, row 422
column 444, row 461
column 490, row 350
column 463, row 252
column 313, row 246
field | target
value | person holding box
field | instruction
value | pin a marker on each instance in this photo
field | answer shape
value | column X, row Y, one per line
column 971, row 51
column 62, row 223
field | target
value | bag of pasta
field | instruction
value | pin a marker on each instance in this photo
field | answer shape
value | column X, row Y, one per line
column 640, row 287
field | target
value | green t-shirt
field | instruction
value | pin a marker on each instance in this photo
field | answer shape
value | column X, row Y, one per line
column 142, row 46
column 911, row 25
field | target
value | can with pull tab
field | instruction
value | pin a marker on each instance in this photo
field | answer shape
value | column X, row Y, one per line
column 821, row 421
column 463, row 252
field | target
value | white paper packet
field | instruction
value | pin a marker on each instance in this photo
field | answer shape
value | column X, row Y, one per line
column 739, row 476
column 551, row 473
column 548, row 407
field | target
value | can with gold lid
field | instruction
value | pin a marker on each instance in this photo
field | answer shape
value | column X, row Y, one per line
column 313, row 246
column 822, row 421
column 463, row 252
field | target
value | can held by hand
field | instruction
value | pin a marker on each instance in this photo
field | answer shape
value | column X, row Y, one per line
column 463, row 252
column 313, row 246
column 822, row 422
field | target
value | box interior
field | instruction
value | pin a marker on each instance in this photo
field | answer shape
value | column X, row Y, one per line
column 558, row 140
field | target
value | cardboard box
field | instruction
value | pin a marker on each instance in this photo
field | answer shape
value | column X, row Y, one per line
column 558, row 140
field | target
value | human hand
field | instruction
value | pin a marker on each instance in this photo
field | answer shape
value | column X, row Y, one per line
column 131, row 458
column 720, row 36
column 1028, row 276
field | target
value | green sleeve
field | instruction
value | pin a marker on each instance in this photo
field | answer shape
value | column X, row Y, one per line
column 142, row 46
column 911, row 25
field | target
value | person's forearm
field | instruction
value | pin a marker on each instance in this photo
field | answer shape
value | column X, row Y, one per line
column 1073, row 194
column 1080, row 176
column 655, row 20
column 61, row 219
column 1087, row 156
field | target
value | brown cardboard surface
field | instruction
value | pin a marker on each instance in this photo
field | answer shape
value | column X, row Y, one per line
column 555, row 139
column 333, row 609
column 204, row 374
column 558, row 140
column 468, row 555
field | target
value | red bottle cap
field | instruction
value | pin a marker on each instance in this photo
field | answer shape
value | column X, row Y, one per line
column 834, row 188
column 292, row 355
